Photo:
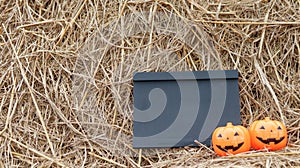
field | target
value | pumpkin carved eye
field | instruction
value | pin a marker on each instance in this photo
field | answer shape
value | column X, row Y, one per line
column 219, row 136
column 236, row 134
column 279, row 128
column 262, row 127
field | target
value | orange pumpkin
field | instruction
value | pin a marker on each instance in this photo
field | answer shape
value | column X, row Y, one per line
column 231, row 140
column 268, row 134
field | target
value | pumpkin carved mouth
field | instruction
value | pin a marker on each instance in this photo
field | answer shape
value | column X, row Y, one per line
column 269, row 140
column 230, row 147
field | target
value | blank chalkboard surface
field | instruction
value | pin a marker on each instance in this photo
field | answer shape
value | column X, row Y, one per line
column 172, row 109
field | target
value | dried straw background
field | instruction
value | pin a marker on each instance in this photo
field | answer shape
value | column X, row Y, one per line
column 40, row 42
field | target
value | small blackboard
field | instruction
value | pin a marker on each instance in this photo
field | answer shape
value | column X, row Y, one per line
column 172, row 109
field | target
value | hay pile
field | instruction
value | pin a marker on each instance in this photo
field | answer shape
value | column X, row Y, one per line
column 56, row 110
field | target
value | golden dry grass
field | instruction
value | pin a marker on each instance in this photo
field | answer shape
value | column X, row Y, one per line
column 41, row 41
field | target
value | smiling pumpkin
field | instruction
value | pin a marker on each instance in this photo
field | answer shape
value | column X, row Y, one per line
column 230, row 140
column 268, row 134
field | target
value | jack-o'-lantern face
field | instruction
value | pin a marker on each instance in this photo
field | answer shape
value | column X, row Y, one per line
column 268, row 134
column 230, row 140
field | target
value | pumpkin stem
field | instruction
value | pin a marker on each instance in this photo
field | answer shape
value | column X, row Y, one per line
column 229, row 124
column 267, row 118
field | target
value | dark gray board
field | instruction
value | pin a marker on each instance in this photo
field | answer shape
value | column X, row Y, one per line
column 172, row 109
